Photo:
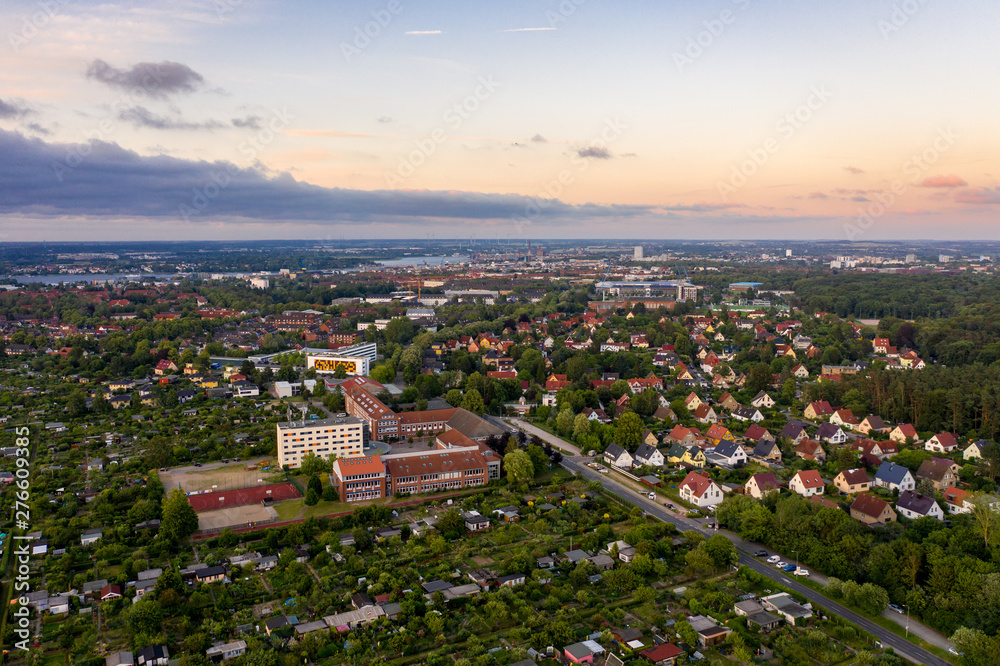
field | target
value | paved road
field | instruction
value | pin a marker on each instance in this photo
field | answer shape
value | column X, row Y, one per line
column 577, row 465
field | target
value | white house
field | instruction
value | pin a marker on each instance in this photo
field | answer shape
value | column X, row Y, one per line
column 807, row 483
column 619, row 457
column 700, row 490
column 914, row 505
column 762, row 401
column 648, row 454
column 943, row 442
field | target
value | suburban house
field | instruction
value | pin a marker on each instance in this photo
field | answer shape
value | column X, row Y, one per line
column 943, row 442
column 795, row 431
column 700, row 490
column 708, row 630
column 682, row 435
column 852, row 481
column 761, row 484
column 694, row 457
column 894, row 477
column 747, row 414
column 154, row 655
column 785, row 605
column 872, row 424
column 914, row 505
column 957, row 500
column 729, row 402
column 705, row 414
column 767, row 449
column 762, row 401
column 940, row 474
column 727, row 454
column 974, row 451
column 817, row 410
column 872, row 510
column 831, row 434
column 903, row 432
column 475, row 521
column 579, row 653
column 648, row 455
column 807, row 483
column 675, row 454
column 664, row 654
column 617, row 456
column 844, row 417
column 227, row 651
column 692, row 401
column 756, row 433
column 809, row 449
column 718, row 433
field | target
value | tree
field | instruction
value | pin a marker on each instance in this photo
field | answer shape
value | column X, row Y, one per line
column 312, row 466
column 474, row 402
column 518, row 466
column 145, row 617
column 383, row 374
column 687, row 632
column 315, row 484
column 984, row 514
column 721, row 550
column 846, row 458
column 698, row 560
column 312, row 497
column 975, row 646
column 179, row 519
column 539, row 460
column 453, row 397
column 451, row 525
column 330, row 494
column 989, row 463
column 581, row 425
column 628, row 431
column 564, row 421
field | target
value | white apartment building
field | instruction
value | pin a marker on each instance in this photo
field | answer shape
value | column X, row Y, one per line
column 341, row 437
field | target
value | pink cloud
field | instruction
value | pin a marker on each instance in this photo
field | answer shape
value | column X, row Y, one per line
column 979, row 196
column 819, row 195
column 943, row 181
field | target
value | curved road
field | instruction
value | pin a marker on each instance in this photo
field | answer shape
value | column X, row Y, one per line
column 577, row 465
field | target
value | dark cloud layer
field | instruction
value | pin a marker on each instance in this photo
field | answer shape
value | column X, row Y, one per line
column 598, row 152
column 103, row 179
column 154, row 79
column 140, row 116
column 13, row 109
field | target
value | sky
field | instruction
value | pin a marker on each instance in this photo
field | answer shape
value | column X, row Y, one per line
column 488, row 119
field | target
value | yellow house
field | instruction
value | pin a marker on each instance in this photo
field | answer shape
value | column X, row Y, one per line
column 210, row 382
column 694, row 457
column 718, row 432
column 149, row 401
column 676, row 454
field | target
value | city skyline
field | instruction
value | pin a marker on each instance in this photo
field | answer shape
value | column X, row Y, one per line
column 230, row 119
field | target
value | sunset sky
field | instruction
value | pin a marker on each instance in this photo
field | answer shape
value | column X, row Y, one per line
column 227, row 119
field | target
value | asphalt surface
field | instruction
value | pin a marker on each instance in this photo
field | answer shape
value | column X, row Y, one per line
column 902, row 647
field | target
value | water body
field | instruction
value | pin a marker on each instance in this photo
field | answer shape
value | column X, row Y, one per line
column 425, row 261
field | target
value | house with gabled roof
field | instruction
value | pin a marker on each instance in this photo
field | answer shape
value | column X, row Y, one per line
column 852, row 481
column 752, row 414
column 761, row 484
column 872, row 510
column 727, row 454
column 894, row 477
column 728, row 402
column 817, row 410
column 939, row 473
column 957, row 500
column 809, row 449
column 757, row 433
column 913, row 505
column 872, row 424
column 675, row 454
column 902, row 432
column 617, row 456
column 943, row 442
column 683, row 435
column 846, row 418
column 807, row 483
column 700, row 490
column 718, row 433
column 800, row 372
column 795, row 431
column 694, row 457
column 830, row 433
column 762, row 401
column 692, row 401
column 767, row 450
column 647, row 454
column 974, row 451
column 705, row 414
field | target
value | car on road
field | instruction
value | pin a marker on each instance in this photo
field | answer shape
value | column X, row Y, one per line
column 197, row 464
column 760, row 553
column 773, row 559
column 225, row 460
column 896, row 607
column 668, row 505
column 781, row 565
column 955, row 652
column 602, row 470
column 799, row 571
column 710, row 526
column 163, row 469
column 651, row 496
column 789, row 568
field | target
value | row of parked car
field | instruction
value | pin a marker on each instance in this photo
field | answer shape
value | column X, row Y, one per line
column 776, row 560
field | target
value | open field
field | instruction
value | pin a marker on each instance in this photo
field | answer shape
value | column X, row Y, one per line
column 236, row 516
column 218, row 476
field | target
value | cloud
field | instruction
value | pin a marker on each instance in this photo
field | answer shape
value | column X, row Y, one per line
column 538, row 138
column 423, row 32
column 950, row 180
column 819, row 195
column 14, row 109
column 329, row 134
column 38, row 129
column 249, row 122
column 527, row 29
column 599, row 152
column 855, row 170
column 109, row 181
column 988, row 196
column 142, row 117
column 860, row 199
column 148, row 78
column 384, row 119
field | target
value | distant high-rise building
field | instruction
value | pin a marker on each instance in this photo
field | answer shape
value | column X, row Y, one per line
column 638, row 252
column 911, row 258
column 788, row 253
